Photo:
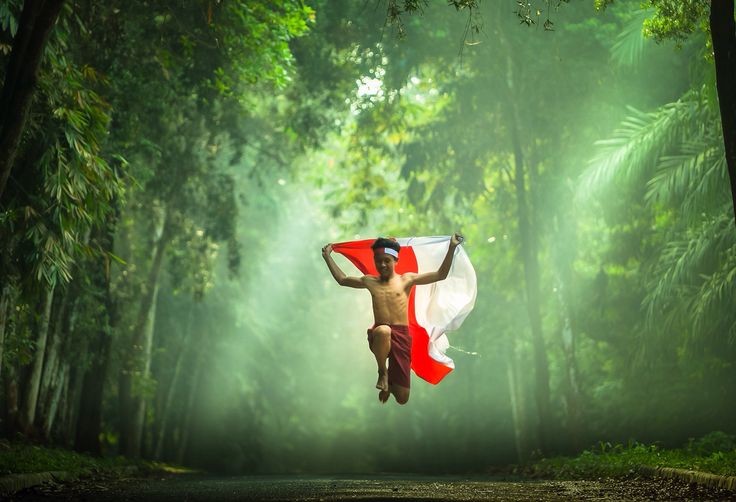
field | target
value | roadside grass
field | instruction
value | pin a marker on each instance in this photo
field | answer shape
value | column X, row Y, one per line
column 19, row 456
column 714, row 453
column 23, row 457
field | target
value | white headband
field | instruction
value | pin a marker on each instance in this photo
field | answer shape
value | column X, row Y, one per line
column 390, row 251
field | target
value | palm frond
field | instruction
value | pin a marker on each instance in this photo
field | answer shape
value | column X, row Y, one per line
column 693, row 179
column 631, row 154
column 715, row 302
column 684, row 266
column 628, row 48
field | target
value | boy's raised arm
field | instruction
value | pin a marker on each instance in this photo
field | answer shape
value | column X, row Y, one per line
column 441, row 273
column 339, row 275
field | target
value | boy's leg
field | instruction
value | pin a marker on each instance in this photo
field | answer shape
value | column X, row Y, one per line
column 401, row 394
column 380, row 346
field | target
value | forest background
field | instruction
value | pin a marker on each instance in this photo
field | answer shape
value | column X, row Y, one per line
column 177, row 169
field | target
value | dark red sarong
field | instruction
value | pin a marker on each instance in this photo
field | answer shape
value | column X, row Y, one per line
column 399, row 357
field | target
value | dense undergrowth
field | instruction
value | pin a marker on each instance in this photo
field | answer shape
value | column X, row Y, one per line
column 714, row 453
column 19, row 456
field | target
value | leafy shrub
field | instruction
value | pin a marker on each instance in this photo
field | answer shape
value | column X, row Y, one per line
column 715, row 453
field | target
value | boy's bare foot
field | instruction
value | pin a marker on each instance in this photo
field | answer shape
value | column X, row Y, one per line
column 382, row 383
column 383, row 396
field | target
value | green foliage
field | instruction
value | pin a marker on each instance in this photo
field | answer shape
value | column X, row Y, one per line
column 530, row 13
column 714, row 442
column 9, row 21
column 397, row 8
column 64, row 184
column 20, row 457
column 693, row 279
column 677, row 150
column 641, row 139
column 671, row 19
column 225, row 47
column 677, row 19
column 257, row 35
column 629, row 45
column 714, row 453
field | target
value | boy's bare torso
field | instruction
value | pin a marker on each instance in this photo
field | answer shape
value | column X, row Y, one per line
column 390, row 299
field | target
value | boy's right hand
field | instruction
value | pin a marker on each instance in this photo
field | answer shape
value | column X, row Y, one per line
column 326, row 250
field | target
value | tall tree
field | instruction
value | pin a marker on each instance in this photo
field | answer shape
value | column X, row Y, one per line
column 723, row 36
column 34, row 28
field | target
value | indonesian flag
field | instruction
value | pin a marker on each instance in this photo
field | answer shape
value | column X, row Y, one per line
column 434, row 308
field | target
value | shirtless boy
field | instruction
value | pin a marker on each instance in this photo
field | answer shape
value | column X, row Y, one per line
column 389, row 337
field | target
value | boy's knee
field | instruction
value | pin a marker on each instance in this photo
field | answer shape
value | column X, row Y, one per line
column 402, row 397
column 382, row 330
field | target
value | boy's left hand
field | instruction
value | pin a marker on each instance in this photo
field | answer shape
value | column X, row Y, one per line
column 456, row 239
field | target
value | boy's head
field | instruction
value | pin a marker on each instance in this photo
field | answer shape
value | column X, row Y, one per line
column 387, row 246
column 385, row 255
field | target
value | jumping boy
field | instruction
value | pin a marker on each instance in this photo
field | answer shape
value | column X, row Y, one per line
column 389, row 337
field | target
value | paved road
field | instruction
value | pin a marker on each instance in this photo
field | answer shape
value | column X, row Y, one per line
column 367, row 488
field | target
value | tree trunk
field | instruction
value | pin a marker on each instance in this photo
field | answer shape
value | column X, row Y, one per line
column 35, row 25
column 73, row 395
column 89, row 426
column 4, row 316
column 518, row 413
column 30, row 399
column 528, row 248
column 137, row 366
column 67, row 410
column 53, row 398
column 62, row 422
column 572, row 388
column 51, row 364
column 171, row 390
column 9, row 375
column 186, row 428
column 723, row 35
column 11, row 400
column 564, row 255
column 141, row 398
column 531, row 283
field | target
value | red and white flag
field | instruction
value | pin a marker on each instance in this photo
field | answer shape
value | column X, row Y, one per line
column 434, row 308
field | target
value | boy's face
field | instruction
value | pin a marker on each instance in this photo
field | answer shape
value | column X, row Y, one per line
column 385, row 264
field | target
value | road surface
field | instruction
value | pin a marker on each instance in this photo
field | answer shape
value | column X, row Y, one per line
column 366, row 488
